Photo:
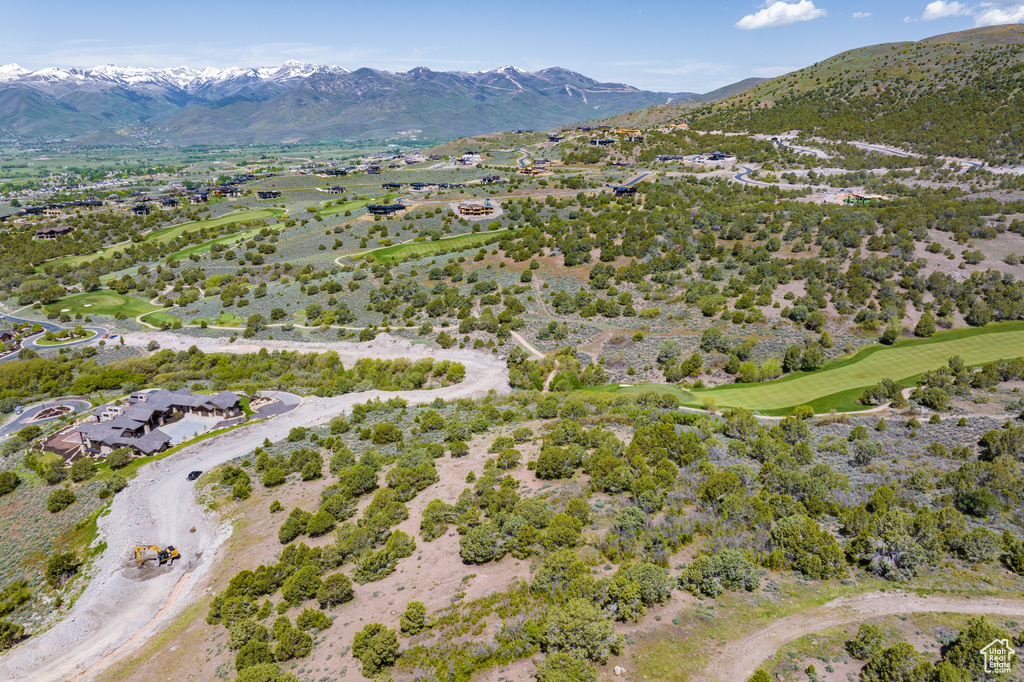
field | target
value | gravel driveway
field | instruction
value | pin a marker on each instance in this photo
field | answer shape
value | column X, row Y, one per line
column 159, row 506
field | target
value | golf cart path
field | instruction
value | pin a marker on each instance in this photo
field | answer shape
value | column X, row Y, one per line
column 126, row 605
column 738, row 660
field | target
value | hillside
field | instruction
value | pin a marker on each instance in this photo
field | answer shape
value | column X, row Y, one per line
column 956, row 94
column 302, row 102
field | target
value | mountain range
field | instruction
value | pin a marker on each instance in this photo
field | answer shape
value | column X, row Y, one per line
column 297, row 102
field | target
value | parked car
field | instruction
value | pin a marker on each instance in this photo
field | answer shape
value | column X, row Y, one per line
column 194, row 475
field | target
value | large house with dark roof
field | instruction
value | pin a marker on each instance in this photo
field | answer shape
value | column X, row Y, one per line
column 53, row 232
column 137, row 424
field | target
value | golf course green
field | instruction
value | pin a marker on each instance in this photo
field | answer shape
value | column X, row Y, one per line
column 102, row 302
column 400, row 252
column 839, row 384
column 167, row 234
column 334, row 209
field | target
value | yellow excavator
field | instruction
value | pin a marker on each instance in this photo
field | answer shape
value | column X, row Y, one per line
column 163, row 555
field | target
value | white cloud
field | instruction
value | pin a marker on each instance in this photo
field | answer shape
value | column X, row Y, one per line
column 941, row 9
column 779, row 13
column 990, row 15
column 861, row 15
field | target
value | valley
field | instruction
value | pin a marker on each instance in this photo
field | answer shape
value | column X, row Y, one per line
column 724, row 387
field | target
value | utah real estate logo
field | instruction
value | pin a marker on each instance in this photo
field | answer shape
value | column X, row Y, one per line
column 998, row 655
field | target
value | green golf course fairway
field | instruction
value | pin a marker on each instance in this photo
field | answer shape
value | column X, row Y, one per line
column 839, row 384
column 335, row 209
column 102, row 302
column 425, row 248
column 167, row 234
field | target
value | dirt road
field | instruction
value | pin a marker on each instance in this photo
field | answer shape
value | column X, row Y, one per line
column 159, row 506
column 739, row 659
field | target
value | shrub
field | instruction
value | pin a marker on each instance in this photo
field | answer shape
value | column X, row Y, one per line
column 253, row 653
column 376, row 646
column 274, row 477
column 580, row 629
column 10, row 634
column 264, row 672
column 313, row 619
column 244, row 631
column 291, row 642
column 560, row 667
column 803, row 411
column 436, row 517
column 60, row 500
column 8, row 482
column 301, row 585
column 119, row 458
column 320, row 524
column 294, row 526
column 116, row 483
column 867, row 642
column 59, row 567
column 895, row 663
column 335, row 589
column 713, row 575
column 414, row 620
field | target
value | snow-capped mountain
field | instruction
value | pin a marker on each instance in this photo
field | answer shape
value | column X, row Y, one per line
column 182, row 77
column 297, row 101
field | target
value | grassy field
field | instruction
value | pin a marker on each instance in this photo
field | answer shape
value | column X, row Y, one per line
column 839, row 384
column 158, row 317
column 335, row 209
column 168, row 233
column 102, row 302
column 222, row 320
column 235, row 238
column 426, row 248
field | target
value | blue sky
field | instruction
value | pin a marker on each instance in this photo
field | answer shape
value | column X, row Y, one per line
column 664, row 45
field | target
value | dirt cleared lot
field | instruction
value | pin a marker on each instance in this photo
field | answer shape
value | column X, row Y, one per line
column 159, row 507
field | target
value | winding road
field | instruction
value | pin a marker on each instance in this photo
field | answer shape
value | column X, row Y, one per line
column 122, row 607
column 742, row 177
column 30, row 341
column 26, row 418
column 739, row 659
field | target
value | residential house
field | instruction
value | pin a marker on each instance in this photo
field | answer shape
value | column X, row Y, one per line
column 53, row 232
column 384, row 209
column 137, row 424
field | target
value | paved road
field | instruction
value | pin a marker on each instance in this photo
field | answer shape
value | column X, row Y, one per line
column 885, row 150
column 742, row 177
column 22, row 420
column 47, row 326
column 30, row 342
column 638, row 178
column 524, row 159
column 805, row 150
